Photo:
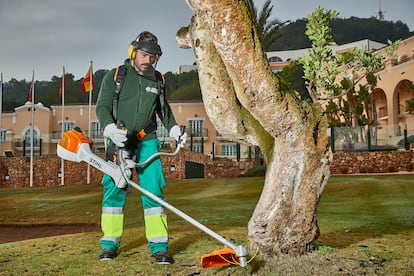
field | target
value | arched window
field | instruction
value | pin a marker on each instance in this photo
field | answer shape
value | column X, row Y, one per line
column 275, row 59
column 27, row 138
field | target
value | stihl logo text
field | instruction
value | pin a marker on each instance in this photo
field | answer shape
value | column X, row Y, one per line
column 95, row 163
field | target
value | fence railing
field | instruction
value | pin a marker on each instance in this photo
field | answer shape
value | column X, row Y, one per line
column 359, row 138
column 370, row 138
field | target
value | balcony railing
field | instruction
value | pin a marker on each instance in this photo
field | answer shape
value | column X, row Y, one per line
column 26, row 144
column 379, row 137
column 198, row 133
column 382, row 112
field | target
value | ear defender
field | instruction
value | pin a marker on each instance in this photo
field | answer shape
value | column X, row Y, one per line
column 146, row 42
column 131, row 50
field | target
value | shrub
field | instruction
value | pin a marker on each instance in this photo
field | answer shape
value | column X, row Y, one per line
column 256, row 170
column 410, row 139
column 367, row 170
column 344, row 170
column 391, row 169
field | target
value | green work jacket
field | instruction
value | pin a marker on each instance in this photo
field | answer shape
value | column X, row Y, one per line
column 137, row 102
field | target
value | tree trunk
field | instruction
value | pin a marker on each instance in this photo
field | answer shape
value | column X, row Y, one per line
column 285, row 217
column 246, row 103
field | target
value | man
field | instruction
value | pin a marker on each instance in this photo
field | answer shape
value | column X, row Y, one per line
column 138, row 103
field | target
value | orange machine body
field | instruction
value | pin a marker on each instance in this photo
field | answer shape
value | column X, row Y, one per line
column 72, row 139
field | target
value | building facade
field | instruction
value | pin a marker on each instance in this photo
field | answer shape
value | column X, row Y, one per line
column 391, row 98
column 16, row 130
column 392, row 94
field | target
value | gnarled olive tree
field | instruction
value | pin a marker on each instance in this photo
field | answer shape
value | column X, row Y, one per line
column 247, row 103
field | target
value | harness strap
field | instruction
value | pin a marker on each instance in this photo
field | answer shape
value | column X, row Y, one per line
column 151, row 125
column 161, row 94
column 119, row 78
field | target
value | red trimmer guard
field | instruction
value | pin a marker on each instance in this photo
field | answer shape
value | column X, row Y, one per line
column 221, row 257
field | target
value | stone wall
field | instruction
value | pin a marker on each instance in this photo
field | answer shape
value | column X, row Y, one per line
column 46, row 168
column 372, row 162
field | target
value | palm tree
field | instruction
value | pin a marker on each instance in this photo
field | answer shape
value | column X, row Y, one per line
column 269, row 29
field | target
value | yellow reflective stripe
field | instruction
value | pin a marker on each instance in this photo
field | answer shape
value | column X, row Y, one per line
column 156, row 228
column 112, row 224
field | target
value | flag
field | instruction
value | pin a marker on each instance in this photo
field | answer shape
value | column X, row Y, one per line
column 88, row 81
column 62, row 84
column 60, row 87
column 31, row 90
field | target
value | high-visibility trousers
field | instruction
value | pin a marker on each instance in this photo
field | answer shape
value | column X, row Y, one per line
column 151, row 178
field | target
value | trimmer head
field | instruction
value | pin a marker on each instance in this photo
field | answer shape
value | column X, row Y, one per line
column 221, row 257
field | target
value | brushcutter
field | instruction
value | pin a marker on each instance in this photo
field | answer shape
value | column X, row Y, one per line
column 75, row 146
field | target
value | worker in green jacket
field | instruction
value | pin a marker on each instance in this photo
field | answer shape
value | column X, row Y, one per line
column 141, row 98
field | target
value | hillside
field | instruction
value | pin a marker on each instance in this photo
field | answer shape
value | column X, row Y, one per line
column 343, row 31
column 185, row 86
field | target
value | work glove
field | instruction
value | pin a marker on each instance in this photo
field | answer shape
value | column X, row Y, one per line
column 117, row 135
column 180, row 137
column 129, row 162
column 126, row 167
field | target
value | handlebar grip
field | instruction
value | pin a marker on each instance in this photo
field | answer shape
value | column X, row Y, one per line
column 120, row 124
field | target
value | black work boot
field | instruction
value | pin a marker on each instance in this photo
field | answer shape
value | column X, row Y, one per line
column 162, row 257
column 108, row 254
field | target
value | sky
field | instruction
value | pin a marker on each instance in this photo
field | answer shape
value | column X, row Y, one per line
column 45, row 35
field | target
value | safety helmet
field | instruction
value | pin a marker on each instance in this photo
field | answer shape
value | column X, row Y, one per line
column 147, row 42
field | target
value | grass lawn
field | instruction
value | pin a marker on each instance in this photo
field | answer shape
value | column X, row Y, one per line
column 366, row 222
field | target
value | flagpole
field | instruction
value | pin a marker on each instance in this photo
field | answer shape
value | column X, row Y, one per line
column 88, row 178
column 1, row 112
column 31, row 131
column 62, row 166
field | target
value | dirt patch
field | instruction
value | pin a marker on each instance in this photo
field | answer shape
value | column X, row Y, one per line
column 12, row 233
